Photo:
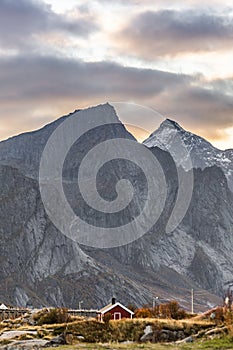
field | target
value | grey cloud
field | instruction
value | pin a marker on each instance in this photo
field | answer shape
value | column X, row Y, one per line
column 169, row 32
column 21, row 20
column 28, row 77
column 45, row 86
column 202, row 107
column 199, row 104
column 168, row 2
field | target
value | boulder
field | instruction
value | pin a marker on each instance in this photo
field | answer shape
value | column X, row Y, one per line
column 148, row 334
column 59, row 340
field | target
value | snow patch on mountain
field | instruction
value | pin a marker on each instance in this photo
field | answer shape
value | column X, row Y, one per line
column 201, row 152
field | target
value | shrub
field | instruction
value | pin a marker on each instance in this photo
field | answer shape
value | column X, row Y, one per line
column 229, row 322
column 52, row 316
column 41, row 333
column 25, row 337
column 92, row 331
column 168, row 310
column 155, row 311
column 107, row 317
column 143, row 313
column 172, row 310
column 219, row 315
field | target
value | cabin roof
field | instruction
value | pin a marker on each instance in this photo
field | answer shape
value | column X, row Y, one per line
column 111, row 306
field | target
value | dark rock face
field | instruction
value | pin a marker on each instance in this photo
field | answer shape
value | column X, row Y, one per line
column 41, row 266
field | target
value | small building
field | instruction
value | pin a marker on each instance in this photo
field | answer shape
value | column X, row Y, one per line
column 116, row 309
column 3, row 307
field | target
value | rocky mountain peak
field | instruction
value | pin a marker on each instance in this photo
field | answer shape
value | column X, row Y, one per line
column 42, row 267
column 168, row 131
column 24, row 151
column 202, row 153
column 169, row 123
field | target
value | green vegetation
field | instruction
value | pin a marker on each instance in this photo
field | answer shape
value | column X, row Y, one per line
column 206, row 332
column 126, row 334
column 215, row 344
column 126, row 330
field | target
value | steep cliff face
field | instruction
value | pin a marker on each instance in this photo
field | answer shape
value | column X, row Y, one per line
column 41, row 266
column 199, row 250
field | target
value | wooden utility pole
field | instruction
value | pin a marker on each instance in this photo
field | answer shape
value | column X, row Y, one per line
column 155, row 301
column 192, row 301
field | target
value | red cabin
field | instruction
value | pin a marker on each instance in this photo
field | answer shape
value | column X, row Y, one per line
column 117, row 310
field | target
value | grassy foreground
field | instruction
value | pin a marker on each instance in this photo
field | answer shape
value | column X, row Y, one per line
column 215, row 344
column 125, row 334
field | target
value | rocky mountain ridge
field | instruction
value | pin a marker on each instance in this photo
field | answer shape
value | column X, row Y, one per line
column 41, row 266
column 203, row 154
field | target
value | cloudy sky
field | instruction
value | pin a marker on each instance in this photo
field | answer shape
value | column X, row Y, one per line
column 172, row 56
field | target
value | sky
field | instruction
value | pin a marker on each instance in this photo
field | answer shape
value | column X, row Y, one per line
column 174, row 57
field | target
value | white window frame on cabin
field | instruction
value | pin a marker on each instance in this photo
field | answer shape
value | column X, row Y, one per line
column 114, row 316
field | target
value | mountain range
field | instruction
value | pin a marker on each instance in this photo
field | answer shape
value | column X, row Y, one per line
column 40, row 266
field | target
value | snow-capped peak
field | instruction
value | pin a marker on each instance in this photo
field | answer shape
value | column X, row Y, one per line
column 164, row 134
column 202, row 153
column 169, row 123
column 168, row 130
